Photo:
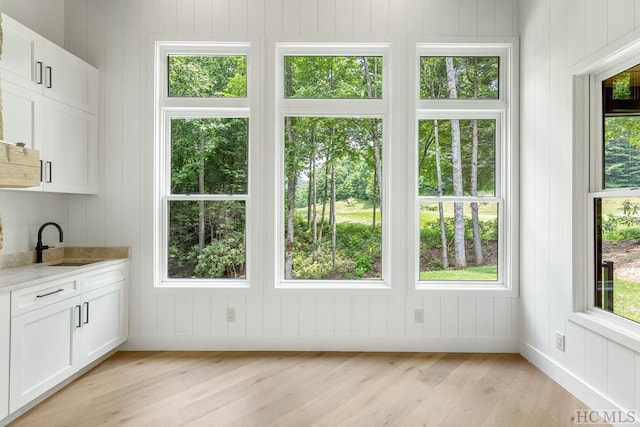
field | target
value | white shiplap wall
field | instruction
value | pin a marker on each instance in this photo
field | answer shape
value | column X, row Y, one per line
column 116, row 35
column 555, row 36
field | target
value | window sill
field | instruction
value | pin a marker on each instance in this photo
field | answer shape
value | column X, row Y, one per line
column 203, row 285
column 318, row 288
column 624, row 332
column 465, row 289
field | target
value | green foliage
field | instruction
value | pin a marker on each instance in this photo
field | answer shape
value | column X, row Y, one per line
column 223, row 257
column 622, row 152
column 624, row 225
column 622, row 86
column 214, row 150
column 358, row 252
column 343, row 143
column 206, row 76
column 431, row 244
column 317, row 77
column 427, row 179
column 223, row 252
column 476, row 77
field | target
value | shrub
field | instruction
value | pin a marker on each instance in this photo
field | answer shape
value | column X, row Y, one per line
column 221, row 258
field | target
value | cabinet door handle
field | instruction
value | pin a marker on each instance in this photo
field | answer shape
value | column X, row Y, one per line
column 86, row 312
column 48, row 78
column 49, row 175
column 41, row 171
column 49, row 293
column 39, row 72
column 79, row 314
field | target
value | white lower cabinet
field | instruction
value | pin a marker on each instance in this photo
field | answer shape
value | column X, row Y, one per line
column 44, row 350
column 5, row 331
column 66, row 328
column 103, row 324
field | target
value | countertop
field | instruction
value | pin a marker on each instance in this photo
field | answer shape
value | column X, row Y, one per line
column 17, row 272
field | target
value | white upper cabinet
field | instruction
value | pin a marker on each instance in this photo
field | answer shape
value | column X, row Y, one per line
column 50, row 104
column 18, row 58
column 65, row 77
column 34, row 62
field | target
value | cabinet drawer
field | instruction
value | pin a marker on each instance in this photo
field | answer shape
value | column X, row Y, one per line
column 105, row 276
column 33, row 297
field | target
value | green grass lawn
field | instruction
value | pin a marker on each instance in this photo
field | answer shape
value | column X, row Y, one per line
column 483, row 272
column 626, row 299
column 360, row 211
column 356, row 212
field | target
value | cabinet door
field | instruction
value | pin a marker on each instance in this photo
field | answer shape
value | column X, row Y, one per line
column 67, row 78
column 44, row 350
column 18, row 47
column 5, row 328
column 71, row 149
column 103, row 322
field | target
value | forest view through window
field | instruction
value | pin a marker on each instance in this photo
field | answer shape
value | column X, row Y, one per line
column 205, row 193
column 617, row 217
column 333, row 186
column 459, row 201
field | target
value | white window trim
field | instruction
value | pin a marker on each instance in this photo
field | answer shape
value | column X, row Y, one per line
column 505, row 111
column 166, row 108
column 587, row 75
column 348, row 108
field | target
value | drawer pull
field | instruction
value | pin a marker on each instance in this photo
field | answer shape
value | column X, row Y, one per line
column 49, row 293
column 79, row 312
column 86, row 312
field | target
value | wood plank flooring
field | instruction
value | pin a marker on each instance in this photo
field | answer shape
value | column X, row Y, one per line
column 308, row 389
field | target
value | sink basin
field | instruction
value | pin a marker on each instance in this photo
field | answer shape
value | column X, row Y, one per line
column 74, row 263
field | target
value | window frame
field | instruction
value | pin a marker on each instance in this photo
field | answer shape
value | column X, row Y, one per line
column 167, row 108
column 615, row 58
column 338, row 108
column 504, row 111
column 596, row 188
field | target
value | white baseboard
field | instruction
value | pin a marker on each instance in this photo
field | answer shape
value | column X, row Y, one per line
column 348, row 343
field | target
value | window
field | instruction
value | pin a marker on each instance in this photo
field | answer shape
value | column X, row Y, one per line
column 614, row 196
column 203, row 115
column 332, row 109
column 464, row 165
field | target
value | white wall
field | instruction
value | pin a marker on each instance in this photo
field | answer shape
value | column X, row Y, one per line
column 45, row 17
column 555, row 36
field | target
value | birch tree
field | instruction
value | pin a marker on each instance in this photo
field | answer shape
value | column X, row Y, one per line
column 459, row 241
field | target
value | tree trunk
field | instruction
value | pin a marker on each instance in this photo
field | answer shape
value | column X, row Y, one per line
column 475, row 220
column 201, row 219
column 291, row 205
column 374, row 133
column 309, row 192
column 324, row 197
column 332, row 211
column 375, row 178
column 477, row 238
column 443, row 230
column 459, row 243
column 314, row 198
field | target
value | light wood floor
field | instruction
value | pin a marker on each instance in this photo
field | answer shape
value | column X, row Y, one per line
column 308, row 388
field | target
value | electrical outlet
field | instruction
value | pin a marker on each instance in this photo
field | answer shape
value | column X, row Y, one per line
column 419, row 315
column 231, row 314
column 560, row 341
